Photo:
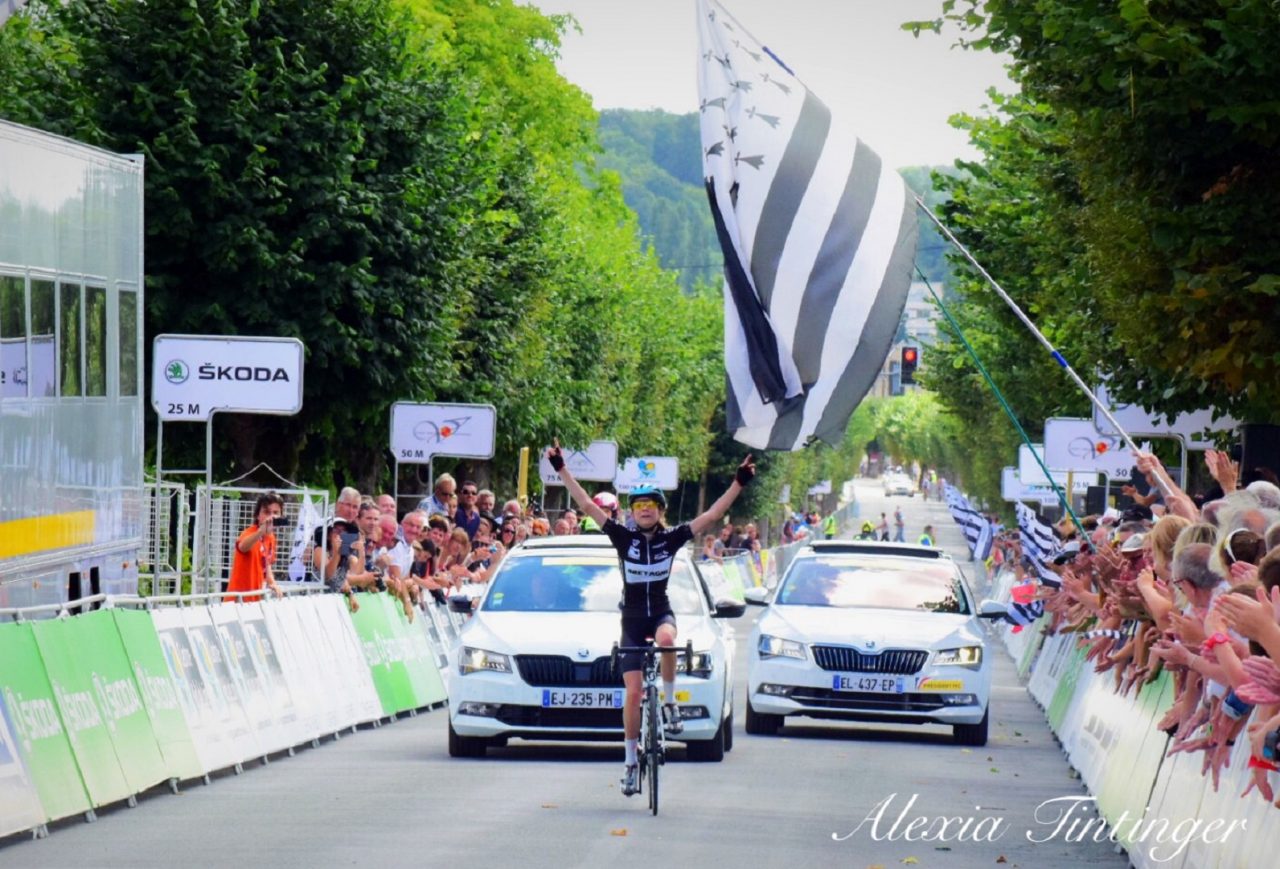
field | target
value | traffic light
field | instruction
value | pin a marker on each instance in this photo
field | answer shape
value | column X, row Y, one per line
column 910, row 357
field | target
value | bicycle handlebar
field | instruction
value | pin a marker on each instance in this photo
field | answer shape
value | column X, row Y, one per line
column 650, row 650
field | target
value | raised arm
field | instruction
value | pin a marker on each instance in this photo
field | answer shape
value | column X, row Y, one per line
column 579, row 494
column 746, row 471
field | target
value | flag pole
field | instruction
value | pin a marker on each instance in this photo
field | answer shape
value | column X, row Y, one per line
column 1166, row 486
column 1063, row 499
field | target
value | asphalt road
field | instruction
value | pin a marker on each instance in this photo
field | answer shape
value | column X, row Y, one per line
column 391, row 796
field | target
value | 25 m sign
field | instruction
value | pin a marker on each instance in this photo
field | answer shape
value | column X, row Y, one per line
column 194, row 375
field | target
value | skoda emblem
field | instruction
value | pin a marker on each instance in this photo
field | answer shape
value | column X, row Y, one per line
column 584, row 653
column 177, row 372
column 871, row 644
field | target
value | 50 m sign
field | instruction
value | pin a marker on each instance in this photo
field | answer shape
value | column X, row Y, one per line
column 194, row 375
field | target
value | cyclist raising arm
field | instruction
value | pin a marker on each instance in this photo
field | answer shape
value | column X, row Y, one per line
column 647, row 554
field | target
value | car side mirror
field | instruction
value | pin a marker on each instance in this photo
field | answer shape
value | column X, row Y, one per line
column 756, row 595
column 460, row 603
column 992, row 609
column 728, row 609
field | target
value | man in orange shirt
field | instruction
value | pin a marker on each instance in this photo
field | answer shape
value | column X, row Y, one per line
column 256, row 550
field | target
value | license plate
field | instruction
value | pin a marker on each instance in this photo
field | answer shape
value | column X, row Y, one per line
column 599, row 699
column 868, row 684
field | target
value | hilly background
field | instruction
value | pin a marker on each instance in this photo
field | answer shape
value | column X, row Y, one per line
column 658, row 156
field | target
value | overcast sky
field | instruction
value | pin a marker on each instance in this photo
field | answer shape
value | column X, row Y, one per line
column 895, row 90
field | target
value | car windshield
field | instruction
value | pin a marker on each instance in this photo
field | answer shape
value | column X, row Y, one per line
column 589, row 582
column 886, row 583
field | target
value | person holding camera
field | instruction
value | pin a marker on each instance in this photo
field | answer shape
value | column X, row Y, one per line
column 256, row 551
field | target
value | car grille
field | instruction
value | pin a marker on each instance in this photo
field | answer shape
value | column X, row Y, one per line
column 825, row 698
column 894, row 662
column 539, row 716
column 559, row 671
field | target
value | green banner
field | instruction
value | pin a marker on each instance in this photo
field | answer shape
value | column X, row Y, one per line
column 36, row 724
column 400, row 661
column 159, row 696
column 1066, row 688
column 734, row 581
column 66, row 662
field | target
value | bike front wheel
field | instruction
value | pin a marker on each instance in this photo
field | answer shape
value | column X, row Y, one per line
column 653, row 747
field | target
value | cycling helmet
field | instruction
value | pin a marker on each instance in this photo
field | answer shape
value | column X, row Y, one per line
column 651, row 492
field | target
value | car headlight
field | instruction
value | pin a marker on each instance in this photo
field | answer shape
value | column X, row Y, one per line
column 703, row 664
column 777, row 647
column 482, row 661
column 965, row 656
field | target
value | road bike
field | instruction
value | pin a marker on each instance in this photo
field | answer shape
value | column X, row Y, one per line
column 653, row 743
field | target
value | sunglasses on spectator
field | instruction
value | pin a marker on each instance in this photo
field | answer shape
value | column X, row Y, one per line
column 468, row 491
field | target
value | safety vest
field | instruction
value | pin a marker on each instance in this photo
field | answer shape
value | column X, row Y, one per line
column 829, row 524
column 925, row 540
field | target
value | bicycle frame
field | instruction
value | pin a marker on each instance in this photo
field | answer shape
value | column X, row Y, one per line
column 653, row 743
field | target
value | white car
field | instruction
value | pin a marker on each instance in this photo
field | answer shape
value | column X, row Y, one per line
column 899, row 484
column 857, row 634
column 534, row 660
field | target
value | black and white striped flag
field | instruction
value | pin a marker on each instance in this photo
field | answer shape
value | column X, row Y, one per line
column 1039, row 543
column 818, row 239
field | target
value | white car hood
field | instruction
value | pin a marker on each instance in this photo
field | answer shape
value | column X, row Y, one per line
column 535, row 633
column 886, row 628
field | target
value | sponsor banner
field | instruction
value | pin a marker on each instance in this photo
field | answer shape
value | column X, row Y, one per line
column 84, row 721
column 20, row 807
column 99, row 652
column 215, row 668
column 360, row 698
column 159, row 694
column 325, row 657
column 300, row 667
column 1029, row 472
column 598, row 462
column 420, row 431
column 1137, row 422
column 194, row 375
column 199, row 694
column 1076, row 445
column 261, row 652
column 37, row 726
column 400, row 661
column 246, row 681
column 662, row 472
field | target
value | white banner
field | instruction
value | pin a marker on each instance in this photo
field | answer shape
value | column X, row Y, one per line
column 266, row 663
column 823, row 488
column 1029, row 471
column 598, row 462
column 1137, row 421
column 19, row 381
column 1013, row 489
column 421, row 431
column 228, row 712
column 1076, row 445
column 249, row 684
column 662, row 472
column 201, row 701
column 194, row 375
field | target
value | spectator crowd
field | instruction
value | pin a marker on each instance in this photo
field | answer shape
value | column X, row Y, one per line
column 1183, row 585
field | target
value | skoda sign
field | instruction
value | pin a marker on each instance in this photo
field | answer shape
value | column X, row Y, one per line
column 195, row 375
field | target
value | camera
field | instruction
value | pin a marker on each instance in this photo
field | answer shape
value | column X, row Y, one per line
column 349, row 539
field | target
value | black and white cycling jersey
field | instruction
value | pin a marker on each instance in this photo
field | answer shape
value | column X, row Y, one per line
column 646, row 565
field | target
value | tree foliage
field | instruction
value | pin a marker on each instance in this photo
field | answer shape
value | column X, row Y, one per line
column 409, row 187
column 1127, row 200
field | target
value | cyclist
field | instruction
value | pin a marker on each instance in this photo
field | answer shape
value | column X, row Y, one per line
column 647, row 552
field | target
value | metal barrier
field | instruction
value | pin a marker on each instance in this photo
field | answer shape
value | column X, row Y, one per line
column 223, row 512
column 165, row 544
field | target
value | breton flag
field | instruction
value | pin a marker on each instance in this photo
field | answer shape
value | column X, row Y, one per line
column 1039, row 543
column 818, row 239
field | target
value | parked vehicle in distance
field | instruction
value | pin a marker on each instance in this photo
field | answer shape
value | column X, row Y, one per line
column 898, row 483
